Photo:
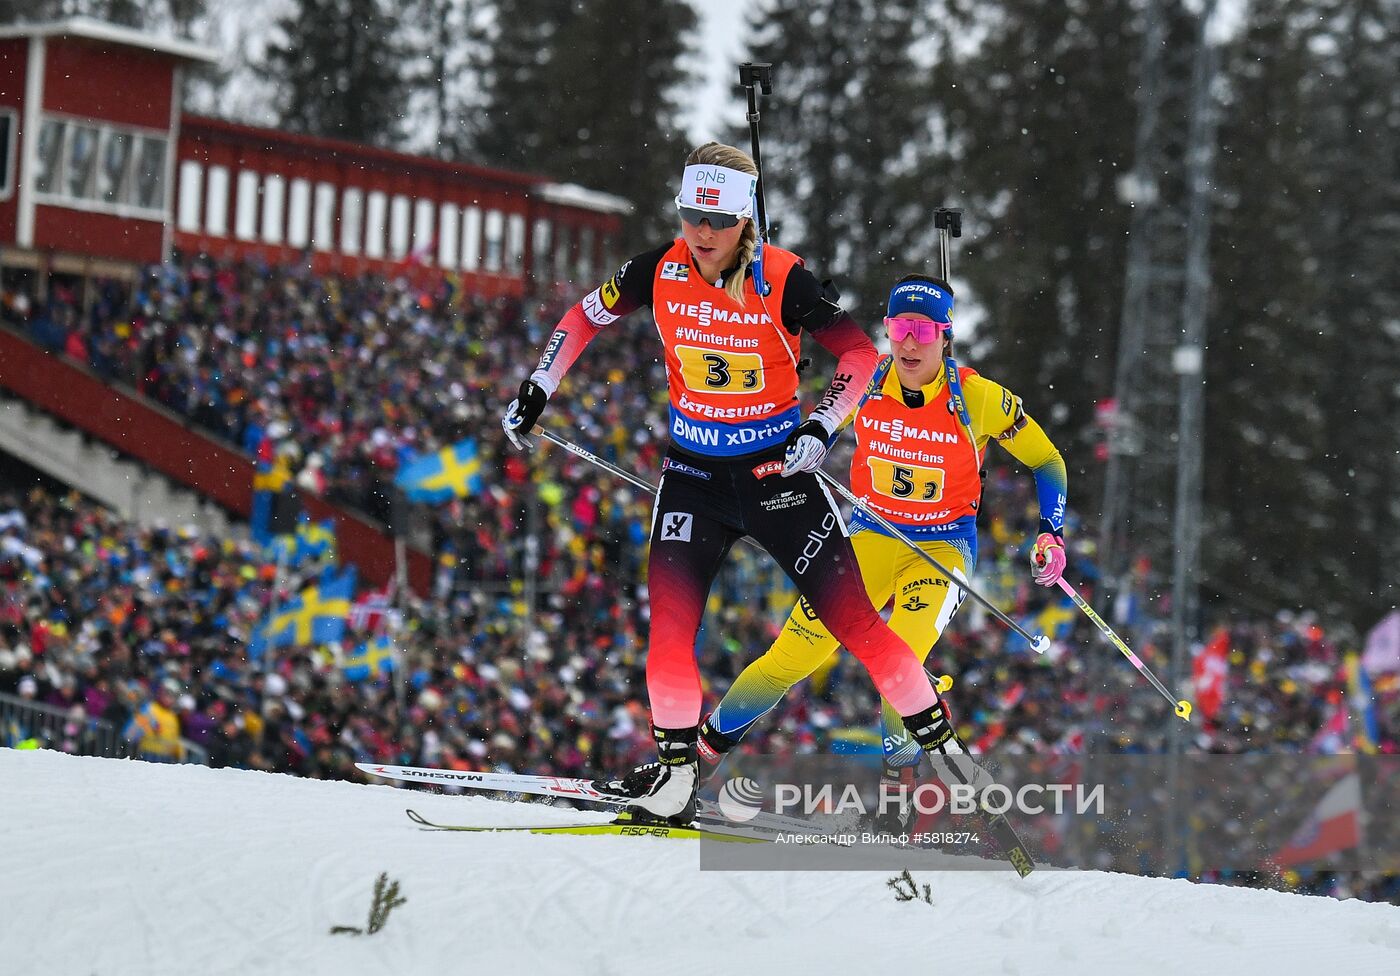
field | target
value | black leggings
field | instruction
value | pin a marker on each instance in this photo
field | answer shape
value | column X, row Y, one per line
column 705, row 505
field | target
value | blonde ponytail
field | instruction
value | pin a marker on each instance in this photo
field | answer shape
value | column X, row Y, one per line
column 748, row 241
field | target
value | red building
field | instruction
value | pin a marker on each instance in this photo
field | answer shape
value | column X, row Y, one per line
column 102, row 171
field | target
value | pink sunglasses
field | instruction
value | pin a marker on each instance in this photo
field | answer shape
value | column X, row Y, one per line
column 922, row 331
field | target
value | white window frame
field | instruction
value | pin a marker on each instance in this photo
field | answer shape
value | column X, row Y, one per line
column 216, row 187
column 12, row 150
column 515, row 244
column 400, row 226
column 376, row 220
column 245, row 213
column 299, row 212
column 274, row 212
column 191, row 182
column 449, row 235
column 125, row 205
column 494, row 238
column 352, row 220
column 471, row 238
column 323, row 217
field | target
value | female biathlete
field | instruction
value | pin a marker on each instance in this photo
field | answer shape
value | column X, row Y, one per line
column 740, row 460
column 917, row 464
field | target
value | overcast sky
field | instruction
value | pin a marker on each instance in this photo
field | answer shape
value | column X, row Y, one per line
column 716, row 104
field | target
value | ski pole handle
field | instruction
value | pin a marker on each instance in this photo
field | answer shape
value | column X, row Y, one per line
column 1182, row 707
column 948, row 222
column 1039, row 643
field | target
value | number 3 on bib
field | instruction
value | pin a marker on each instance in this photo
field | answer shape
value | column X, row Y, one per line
column 905, row 480
column 708, row 371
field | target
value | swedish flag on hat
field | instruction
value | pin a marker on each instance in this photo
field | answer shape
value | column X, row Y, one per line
column 922, row 295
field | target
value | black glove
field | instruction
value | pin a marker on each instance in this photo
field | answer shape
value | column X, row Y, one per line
column 522, row 414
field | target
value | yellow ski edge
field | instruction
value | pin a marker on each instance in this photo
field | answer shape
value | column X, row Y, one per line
column 604, row 829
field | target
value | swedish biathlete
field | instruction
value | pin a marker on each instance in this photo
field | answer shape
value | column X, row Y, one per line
column 916, row 465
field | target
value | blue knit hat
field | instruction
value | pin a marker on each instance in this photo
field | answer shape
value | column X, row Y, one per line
column 926, row 296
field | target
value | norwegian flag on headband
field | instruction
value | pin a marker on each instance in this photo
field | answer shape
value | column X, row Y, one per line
column 707, row 196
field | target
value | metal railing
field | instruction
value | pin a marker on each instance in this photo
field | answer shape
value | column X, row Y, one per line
column 28, row 724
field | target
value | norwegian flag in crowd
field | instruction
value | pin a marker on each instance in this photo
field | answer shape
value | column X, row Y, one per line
column 707, row 196
column 374, row 610
column 1012, row 696
column 1334, row 826
column 1208, row 674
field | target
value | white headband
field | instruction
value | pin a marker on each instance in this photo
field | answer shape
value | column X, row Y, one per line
column 718, row 188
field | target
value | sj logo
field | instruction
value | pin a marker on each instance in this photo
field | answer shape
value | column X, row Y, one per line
column 914, row 603
column 675, row 527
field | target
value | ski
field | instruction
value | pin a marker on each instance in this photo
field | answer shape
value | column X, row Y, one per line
column 708, row 816
column 615, row 828
column 707, row 811
column 1012, row 848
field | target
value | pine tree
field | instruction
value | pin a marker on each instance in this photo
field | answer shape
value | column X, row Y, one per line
column 1356, row 222
column 344, row 70
column 587, row 94
column 1269, row 499
column 1041, row 118
column 444, row 42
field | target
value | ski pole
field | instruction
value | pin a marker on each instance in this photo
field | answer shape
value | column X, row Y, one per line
column 1039, row 644
column 592, row 458
column 613, row 469
column 1182, row 706
column 948, row 222
column 757, row 76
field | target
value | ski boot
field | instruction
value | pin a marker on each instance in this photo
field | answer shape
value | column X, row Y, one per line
column 896, row 814
column 933, row 729
column 712, row 747
column 662, row 792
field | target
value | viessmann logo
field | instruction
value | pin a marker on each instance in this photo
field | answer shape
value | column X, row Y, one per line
column 705, row 313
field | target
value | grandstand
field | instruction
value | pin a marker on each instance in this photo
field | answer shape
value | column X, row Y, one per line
column 191, row 303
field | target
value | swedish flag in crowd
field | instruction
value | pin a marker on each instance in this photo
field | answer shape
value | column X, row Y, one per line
column 1056, row 619
column 311, row 541
column 272, row 499
column 1363, row 704
column 317, row 615
column 371, row 658
column 453, row 472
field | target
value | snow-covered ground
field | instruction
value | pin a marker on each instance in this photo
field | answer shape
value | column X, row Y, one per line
column 110, row 867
